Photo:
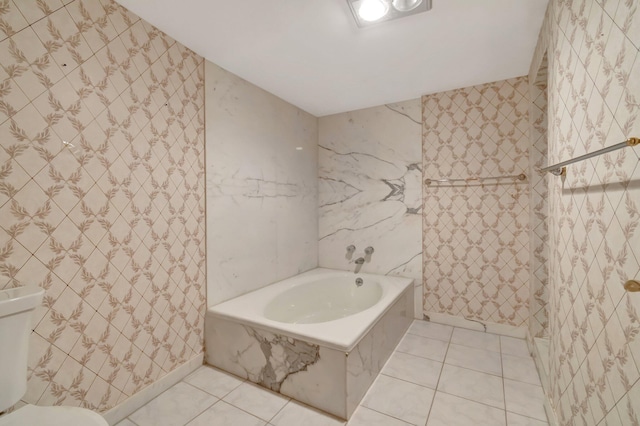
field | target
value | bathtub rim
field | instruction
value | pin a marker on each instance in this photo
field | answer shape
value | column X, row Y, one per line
column 330, row 334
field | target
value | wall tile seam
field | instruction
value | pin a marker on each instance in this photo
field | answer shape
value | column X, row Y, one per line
column 191, row 121
column 93, row 55
column 174, row 325
column 52, row 11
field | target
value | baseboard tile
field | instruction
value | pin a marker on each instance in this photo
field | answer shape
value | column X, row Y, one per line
column 488, row 327
column 131, row 404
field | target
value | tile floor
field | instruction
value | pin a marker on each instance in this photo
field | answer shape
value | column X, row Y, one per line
column 437, row 376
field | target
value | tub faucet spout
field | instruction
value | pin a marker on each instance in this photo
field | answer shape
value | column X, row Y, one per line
column 359, row 261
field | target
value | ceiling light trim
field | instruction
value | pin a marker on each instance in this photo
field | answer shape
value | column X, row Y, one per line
column 394, row 9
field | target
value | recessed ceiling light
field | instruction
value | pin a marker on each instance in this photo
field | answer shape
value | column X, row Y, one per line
column 368, row 12
column 405, row 5
column 372, row 10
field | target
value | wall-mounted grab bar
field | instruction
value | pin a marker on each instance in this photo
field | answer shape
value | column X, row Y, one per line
column 521, row 176
column 560, row 169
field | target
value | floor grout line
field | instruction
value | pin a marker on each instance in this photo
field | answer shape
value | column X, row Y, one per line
column 246, row 412
column 435, row 390
column 504, row 393
column 433, row 400
column 384, row 414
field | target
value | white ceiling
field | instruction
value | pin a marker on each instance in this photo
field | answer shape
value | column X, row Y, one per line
column 311, row 54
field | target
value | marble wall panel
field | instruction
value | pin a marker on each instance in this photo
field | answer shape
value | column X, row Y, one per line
column 101, row 197
column 262, row 221
column 369, row 169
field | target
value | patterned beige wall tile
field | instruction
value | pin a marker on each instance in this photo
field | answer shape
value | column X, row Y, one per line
column 538, row 217
column 11, row 20
column 101, row 196
column 475, row 235
column 594, row 214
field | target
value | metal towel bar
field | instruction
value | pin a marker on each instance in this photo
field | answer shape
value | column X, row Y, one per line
column 521, row 176
column 560, row 169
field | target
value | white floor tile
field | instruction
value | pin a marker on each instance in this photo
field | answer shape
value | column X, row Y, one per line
column 475, row 359
column 413, row 369
column 256, row 400
column 214, row 381
column 223, row 414
column 520, row 369
column 366, row 417
column 397, row 398
column 513, row 346
column 175, row 407
column 525, row 399
column 476, row 339
column 470, row 389
column 431, row 330
column 518, row 420
column 423, row 346
column 126, row 422
column 450, row 410
column 473, row 385
column 296, row 414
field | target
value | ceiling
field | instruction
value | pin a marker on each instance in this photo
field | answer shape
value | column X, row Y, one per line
column 311, row 53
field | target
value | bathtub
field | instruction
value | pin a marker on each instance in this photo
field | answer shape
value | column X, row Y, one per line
column 319, row 337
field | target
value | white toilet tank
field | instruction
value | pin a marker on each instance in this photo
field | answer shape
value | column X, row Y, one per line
column 16, row 307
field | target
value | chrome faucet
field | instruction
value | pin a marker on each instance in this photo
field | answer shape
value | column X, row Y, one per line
column 359, row 261
column 368, row 252
column 350, row 250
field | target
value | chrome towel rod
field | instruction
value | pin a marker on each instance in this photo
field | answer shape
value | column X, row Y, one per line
column 521, row 176
column 560, row 169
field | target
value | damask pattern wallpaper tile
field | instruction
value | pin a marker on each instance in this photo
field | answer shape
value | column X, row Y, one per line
column 594, row 212
column 538, row 205
column 476, row 234
column 101, row 196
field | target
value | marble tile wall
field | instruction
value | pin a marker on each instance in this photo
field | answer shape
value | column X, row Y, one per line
column 101, row 196
column 476, row 235
column 369, row 189
column 262, row 220
column 594, row 213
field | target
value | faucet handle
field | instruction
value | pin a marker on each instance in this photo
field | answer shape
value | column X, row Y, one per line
column 351, row 249
column 369, row 250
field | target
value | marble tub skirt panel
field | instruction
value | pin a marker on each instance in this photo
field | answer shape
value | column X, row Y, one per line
column 332, row 380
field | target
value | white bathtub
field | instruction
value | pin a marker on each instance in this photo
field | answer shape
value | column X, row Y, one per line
column 310, row 306
column 317, row 337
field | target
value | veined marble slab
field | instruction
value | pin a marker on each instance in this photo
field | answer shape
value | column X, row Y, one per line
column 370, row 192
column 261, row 185
column 325, row 378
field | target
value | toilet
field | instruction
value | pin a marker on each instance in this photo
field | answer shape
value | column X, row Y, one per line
column 16, row 307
